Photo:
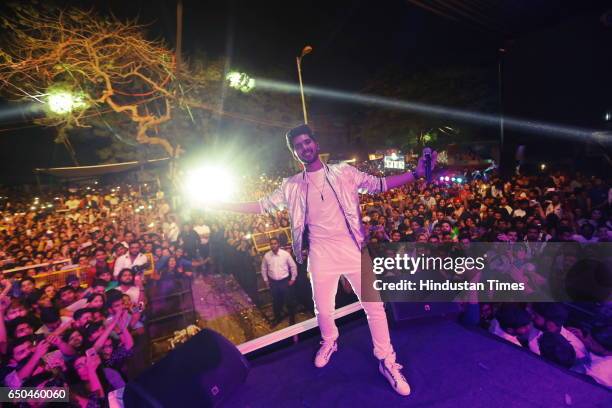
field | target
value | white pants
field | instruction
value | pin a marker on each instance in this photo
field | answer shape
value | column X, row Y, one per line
column 324, row 288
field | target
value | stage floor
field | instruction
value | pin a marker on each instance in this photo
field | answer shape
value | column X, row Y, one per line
column 222, row 305
column 446, row 364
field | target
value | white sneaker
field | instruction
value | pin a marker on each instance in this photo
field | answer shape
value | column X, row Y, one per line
column 325, row 352
column 391, row 371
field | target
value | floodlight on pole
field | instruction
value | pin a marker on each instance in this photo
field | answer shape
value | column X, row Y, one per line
column 306, row 50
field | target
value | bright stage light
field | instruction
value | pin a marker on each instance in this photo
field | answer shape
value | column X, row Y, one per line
column 208, row 184
column 441, row 178
column 446, row 178
column 62, row 102
column 240, row 81
column 459, row 180
column 453, row 179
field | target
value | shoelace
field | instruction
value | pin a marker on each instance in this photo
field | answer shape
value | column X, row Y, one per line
column 397, row 367
column 325, row 350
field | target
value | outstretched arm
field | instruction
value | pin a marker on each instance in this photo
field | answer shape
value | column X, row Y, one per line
column 406, row 178
column 250, row 207
column 275, row 201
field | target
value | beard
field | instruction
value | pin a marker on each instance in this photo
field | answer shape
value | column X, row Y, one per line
column 314, row 158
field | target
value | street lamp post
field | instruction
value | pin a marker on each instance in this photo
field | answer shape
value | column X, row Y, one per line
column 306, row 50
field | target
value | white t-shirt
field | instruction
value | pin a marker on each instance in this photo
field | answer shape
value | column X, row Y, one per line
column 571, row 338
column 125, row 261
column 202, row 229
column 332, row 249
column 133, row 292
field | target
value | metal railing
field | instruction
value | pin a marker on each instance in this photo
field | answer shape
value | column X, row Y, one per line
column 58, row 277
column 261, row 241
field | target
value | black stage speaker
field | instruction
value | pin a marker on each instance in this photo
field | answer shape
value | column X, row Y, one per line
column 199, row 373
column 402, row 311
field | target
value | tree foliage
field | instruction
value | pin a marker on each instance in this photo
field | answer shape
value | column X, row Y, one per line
column 132, row 93
column 109, row 62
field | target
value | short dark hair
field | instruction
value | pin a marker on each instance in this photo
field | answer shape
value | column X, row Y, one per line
column 27, row 278
column 77, row 315
column 12, row 326
column 18, row 342
column 554, row 312
column 512, row 317
column 554, row 347
column 65, row 289
column 121, row 272
column 66, row 335
column 297, row 131
column 112, row 296
column 99, row 282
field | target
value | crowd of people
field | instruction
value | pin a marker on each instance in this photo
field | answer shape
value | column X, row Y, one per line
column 520, row 211
column 75, row 265
column 103, row 241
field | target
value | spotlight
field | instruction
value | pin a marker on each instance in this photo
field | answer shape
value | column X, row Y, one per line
column 446, row 178
column 453, row 179
column 208, row 184
column 240, row 81
column 441, row 178
column 543, row 166
column 459, row 180
column 63, row 102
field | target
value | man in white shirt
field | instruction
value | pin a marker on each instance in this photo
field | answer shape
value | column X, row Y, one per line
column 513, row 324
column 324, row 201
column 551, row 317
column 127, row 286
column 554, row 207
column 202, row 230
column 131, row 259
column 279, row 272
column 171, row 229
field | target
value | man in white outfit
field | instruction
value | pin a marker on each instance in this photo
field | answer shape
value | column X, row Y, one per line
column 279, row 272
column 323, row 203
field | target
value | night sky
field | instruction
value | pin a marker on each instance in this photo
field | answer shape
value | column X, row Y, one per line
column 557, row 67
